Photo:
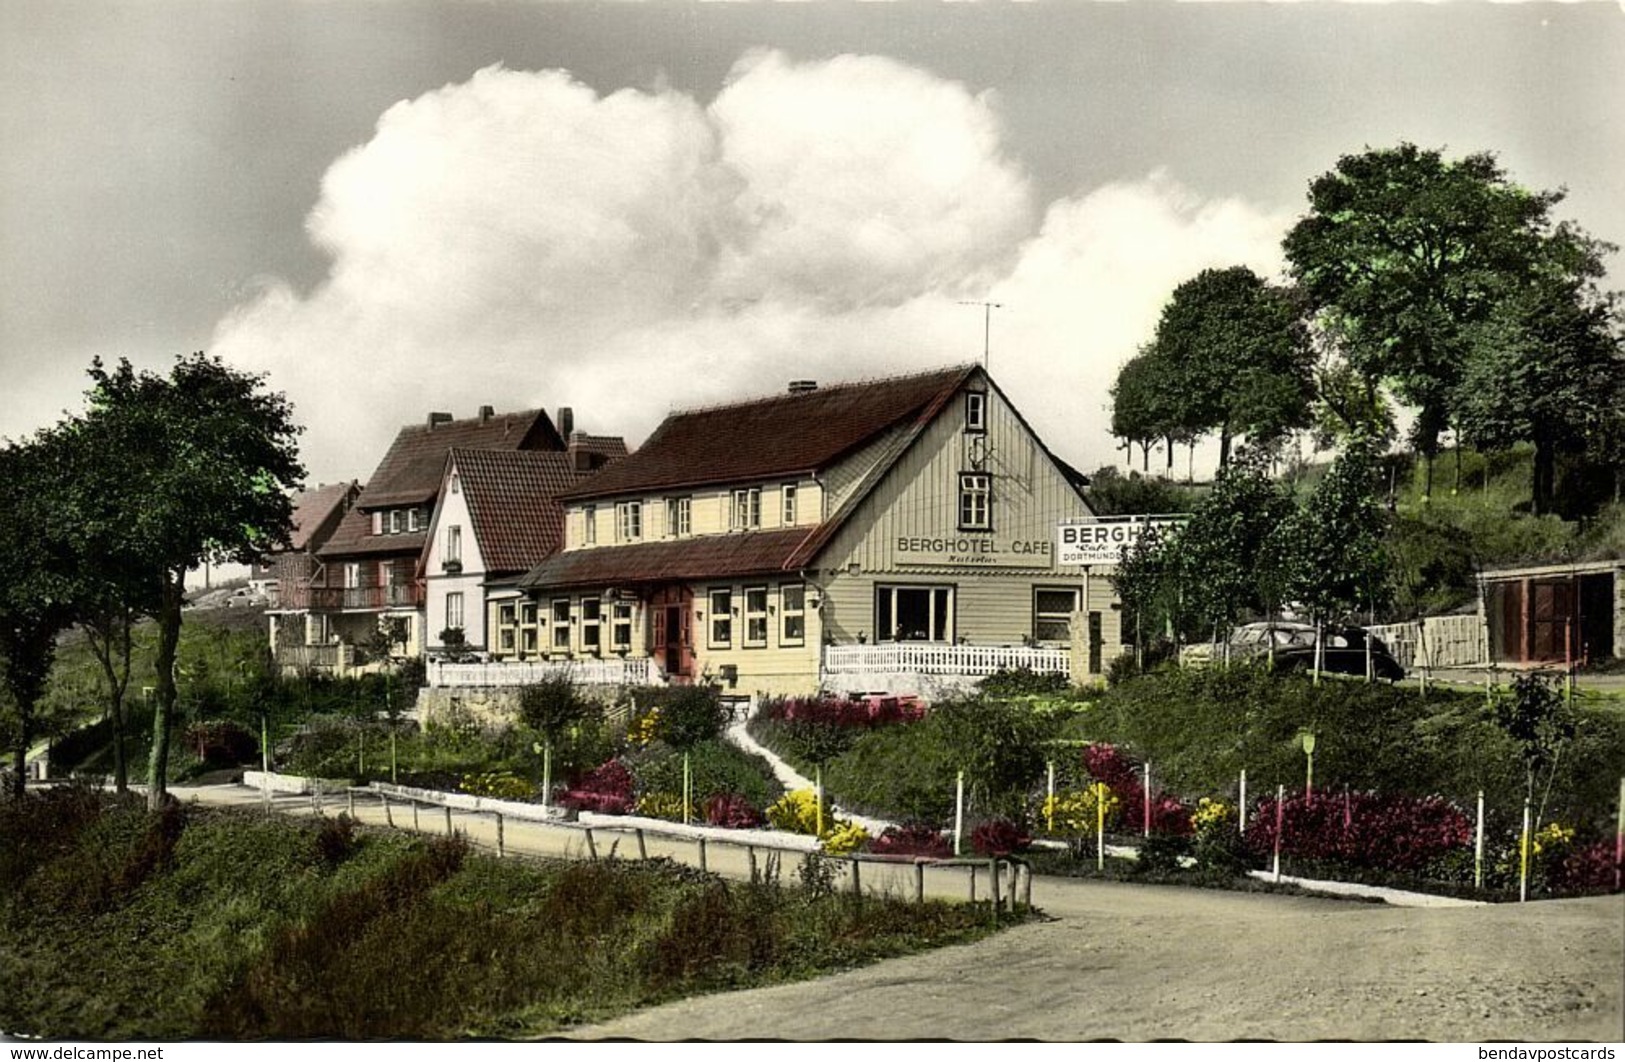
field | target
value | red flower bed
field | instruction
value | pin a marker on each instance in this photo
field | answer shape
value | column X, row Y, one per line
column 608, row 790
column 733, row 811
column 913, row 840
column 999, row 837
column 1387, row 832
column 1590, row 868
column 1126, row 780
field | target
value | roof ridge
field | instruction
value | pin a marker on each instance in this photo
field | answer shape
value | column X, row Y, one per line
column 823, row 389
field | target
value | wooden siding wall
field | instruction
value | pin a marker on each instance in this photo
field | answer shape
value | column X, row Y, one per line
column 710, row 513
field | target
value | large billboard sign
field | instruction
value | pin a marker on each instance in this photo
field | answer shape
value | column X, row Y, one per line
column 1103, row 540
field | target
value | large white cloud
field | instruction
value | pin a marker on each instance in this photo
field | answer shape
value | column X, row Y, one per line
column 519, row 240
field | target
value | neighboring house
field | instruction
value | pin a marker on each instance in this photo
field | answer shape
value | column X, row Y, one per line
column 498, row 515
column 1555, row 613
column 316, row 515
column 367, row 570
column 868, row 529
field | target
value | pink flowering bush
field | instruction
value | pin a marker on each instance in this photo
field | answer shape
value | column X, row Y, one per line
column 733, row 811
column 845, row 713
column 608, row 790
column 1384, row 831
column 913, row 839
column 1585, row 869
column 1124, row 777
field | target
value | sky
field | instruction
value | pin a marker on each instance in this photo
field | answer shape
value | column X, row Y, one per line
column 396, row 207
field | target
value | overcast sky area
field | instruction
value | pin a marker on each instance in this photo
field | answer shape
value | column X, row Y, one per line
column 392, row 207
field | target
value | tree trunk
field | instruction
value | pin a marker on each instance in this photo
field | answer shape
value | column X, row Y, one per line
column 1169, row 442
column 20, row 753
column 1427, row 477
column 1145, row 455
column 105, row 641
column 1224, row 446
column 169, row 636
column 1545, row 476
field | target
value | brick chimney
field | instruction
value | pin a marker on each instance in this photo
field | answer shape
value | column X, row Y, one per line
column 438, row 418
column 486, row 413
column 565, row 422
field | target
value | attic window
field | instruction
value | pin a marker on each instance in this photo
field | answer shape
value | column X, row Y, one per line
column 456, row 483
column 975, row 411
column 975, row 512
column 394, row 521
column 412, row 520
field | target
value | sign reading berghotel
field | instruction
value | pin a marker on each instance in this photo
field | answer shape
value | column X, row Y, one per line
column 1103, row 539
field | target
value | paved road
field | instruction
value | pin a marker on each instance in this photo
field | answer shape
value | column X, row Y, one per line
column 1145, row 962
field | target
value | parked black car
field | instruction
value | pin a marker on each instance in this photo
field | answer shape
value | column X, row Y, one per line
column 1294, row 646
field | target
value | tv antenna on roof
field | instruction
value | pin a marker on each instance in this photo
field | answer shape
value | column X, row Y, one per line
column 987, row 321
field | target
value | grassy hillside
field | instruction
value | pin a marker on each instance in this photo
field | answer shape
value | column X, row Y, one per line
column 120, row 924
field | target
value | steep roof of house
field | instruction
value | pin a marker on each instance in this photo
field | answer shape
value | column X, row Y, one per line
column 512, row 499
column 354, row 538
column 410, row 472
column 706, row 557
column 316, row 513
column 608, row 447
column 777, row 436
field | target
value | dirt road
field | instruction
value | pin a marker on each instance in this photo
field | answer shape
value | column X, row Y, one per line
column 1140, row 962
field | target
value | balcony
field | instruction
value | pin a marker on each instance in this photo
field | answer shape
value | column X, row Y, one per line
column 335, row 659
column 351, row 599
column 631, row 671
column 931, row 658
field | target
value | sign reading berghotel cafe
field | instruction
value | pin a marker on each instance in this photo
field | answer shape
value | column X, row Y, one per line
column 973, row 551
column 1103, row 539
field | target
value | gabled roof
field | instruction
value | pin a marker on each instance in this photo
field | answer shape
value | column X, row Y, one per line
column 354, row 538
column 316, row 513
column 705, row 557
column 512, row 499
column 784, row 435
column 410, row 472
column 601, row 449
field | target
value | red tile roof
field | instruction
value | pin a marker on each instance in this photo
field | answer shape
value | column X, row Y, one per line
column 410, row 472
column 316, row 513
column 770, row 437
column 354, row 538
column 707, row 557
column 513, row 502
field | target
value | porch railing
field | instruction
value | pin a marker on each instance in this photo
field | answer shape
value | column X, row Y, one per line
column 925, row 658
column 405, row 595
column 631, row 671
column 336, row 658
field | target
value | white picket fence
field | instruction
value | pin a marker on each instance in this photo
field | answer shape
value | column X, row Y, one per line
column 917, row 658
column 631, row 671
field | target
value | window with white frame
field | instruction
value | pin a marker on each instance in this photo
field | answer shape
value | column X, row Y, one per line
column 679, row 517
column 629, row 521
column 561, row 624
column 755, row 617
column 378, row 523
column 788, row 491
column 975, row 411
column 506, row 634
column 454, row 544
column 721, row 627
column 530, row 631
column 412, row 517
column 1052, row 613
column 914, row 613
column 975, row 501
column 394, row 521
column 589, row 524
column 591, row 619
column 352, row 575
column 792, row 614
column 620, row 626
column 747, row 514
column 454, row 609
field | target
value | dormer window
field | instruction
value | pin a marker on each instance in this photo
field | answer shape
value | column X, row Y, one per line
column 377, row 523
column 412, row 520
column 975, row 411
column 394, row 521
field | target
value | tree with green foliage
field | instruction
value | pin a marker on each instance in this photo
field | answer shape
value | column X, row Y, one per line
column 1136, row 394
column 35, row 594
column 1332, row 550
column 1533, row 714
column 1111, row 493
column 206, row 460
column 1000, row 745
column 1546, row 365
column 1401, row 254
column 1233, row 357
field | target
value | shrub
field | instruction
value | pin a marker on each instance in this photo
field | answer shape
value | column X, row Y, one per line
column 999, row 837
column 1588, row 869
column 714, row 767
column 913, row 839
column 731, row 811
column 499, row 785
column 1127, row 783
column 554, row 706
column 335, row 840
column 691, row 715
column 1076, row 815
column 797, row 812
column 1382, row 831
column 1021, row 682
column 607, row 790
column 1162, row 853
column 1216, row 841
column 661, row 805
column 844, row 837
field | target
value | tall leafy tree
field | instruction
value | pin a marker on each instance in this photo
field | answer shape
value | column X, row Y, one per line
column 35, row 604
column 1136, row 398
column 205, row 460
column 1546, row 365
column 1401, row 253
column 1234, row 358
